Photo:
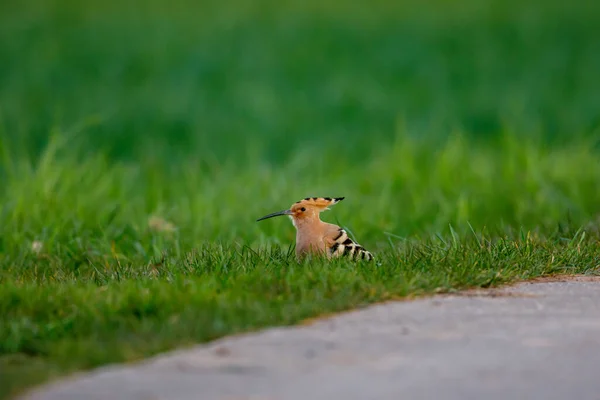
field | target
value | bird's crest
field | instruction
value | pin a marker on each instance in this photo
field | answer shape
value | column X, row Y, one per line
column 322, row 203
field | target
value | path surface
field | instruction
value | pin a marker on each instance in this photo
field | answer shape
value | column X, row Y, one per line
column 530, row 341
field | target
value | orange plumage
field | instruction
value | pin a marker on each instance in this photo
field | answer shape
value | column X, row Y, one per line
column 314, row 236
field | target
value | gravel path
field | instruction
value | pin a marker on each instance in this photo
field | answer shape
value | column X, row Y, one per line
column 536, row 340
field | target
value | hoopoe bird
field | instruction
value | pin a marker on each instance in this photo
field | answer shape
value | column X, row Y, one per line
column 314, row 236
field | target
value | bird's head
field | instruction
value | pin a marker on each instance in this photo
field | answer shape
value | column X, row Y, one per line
column 307, row 209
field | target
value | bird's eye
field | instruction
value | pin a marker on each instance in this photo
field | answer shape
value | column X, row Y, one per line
column 303, row 209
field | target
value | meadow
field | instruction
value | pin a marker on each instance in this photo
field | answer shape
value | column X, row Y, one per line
column 140, row 143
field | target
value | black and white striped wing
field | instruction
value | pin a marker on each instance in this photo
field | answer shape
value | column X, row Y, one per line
column 343, row 246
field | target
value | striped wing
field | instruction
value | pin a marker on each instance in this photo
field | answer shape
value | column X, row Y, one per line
column 344, row 246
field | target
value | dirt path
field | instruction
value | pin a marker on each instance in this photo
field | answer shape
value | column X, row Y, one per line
column 535, row 340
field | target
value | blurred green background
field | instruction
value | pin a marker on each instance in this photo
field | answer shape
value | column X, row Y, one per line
column 239, row 78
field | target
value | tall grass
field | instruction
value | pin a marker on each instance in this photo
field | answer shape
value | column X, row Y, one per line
column 87, row 210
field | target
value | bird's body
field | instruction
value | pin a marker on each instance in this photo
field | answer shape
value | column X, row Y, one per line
column 314, row 236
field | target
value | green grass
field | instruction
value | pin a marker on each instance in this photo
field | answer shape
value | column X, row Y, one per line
column 139, row 145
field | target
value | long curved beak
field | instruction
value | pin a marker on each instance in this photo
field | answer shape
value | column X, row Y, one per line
column 275, row 214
